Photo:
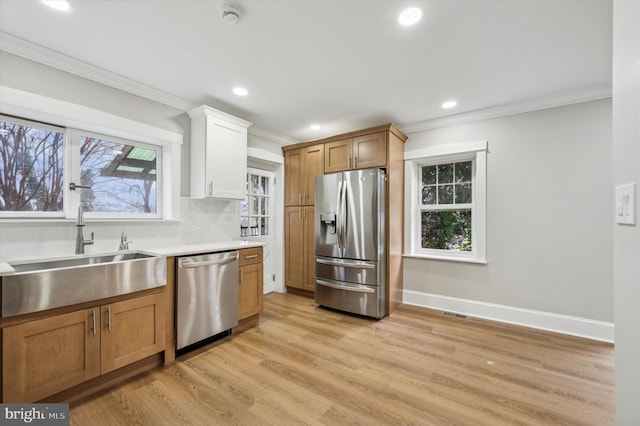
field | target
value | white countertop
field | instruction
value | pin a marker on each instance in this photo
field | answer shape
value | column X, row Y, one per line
column 185, row 249
column 177, row 250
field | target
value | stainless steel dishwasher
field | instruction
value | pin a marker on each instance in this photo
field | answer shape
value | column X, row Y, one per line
column 207, row 297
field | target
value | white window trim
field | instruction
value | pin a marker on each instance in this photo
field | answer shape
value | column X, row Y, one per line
column 477, row 151
column 36, row 107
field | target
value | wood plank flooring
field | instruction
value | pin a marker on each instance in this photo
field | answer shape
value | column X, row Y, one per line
column 308, row 365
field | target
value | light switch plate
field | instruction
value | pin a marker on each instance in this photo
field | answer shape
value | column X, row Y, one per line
column 626, row 204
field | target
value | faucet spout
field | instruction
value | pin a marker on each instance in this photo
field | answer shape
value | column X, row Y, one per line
column 80, row 241
column 124, row 243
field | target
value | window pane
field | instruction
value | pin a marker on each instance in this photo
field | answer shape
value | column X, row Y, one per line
column 254, row 227
column 244, row 207
column 122, row 177
column 429, row 175
column 445, row 194
column 447, row 230
column 463, row 171
column 264, row 210
column 265, row 185
column 429, row 194
column 265, row 226
column 255, row 184
column 445, row 173
column 31, row 168
column 244, row 226
column 254, row 205
column 463, row 193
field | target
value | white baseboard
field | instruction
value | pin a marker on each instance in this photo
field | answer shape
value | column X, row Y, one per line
column 575, row 326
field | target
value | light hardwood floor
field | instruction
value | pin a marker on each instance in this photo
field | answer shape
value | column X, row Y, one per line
column 307, row 365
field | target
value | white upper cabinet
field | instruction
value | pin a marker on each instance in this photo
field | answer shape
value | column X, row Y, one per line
column 218, row 154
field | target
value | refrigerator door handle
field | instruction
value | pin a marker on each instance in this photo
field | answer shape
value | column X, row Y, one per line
column 359, row 265
column 343, row 216
column 358, row 289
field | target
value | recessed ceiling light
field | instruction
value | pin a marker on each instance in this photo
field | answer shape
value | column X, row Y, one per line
column 314, row 127
column 240, row 91
column 449, row 104
column 410, row 16
column 62, row 5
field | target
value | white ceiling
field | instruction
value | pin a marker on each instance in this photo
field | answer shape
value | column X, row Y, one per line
column 341, row 64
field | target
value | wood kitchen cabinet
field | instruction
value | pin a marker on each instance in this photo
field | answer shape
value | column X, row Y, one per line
column 131, row 330
column 381, row 147
column 46, row 356
column 250, row 286
column 299, row 247
column 301, row 166
column 218, row 154
column 359, row 152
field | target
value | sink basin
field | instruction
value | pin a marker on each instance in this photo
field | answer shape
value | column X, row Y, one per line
column 77, row 261
column 38, row 286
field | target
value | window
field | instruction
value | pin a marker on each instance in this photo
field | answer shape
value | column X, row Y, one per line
column 117, row 178
column 121, row 176
column 446, row 202
column 31, row 168
column 255, row 209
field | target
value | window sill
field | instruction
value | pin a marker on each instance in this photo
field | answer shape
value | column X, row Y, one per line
column 445, row 258
column 61, row 220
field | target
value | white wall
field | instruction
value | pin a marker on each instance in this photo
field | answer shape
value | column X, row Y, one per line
column 626, row 239
column 200, row 220
column 549, row 236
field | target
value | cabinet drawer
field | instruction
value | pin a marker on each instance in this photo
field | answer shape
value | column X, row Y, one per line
column 250, row 255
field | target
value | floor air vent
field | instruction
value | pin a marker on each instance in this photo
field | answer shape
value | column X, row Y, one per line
column 453, row 314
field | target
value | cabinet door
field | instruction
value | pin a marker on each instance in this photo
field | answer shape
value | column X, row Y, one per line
column 132, row 330
column 313, row 166
column 250, row 290
column 370, row 151
column 43, row 357
column 293, row 184
column 294, row 247
column 226, row 160
column 309, row 249
column 337, row 156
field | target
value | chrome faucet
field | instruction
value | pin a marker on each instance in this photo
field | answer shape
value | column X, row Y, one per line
column 124, row 244
column 80, row 241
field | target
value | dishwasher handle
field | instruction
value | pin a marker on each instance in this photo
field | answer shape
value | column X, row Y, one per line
column 186, row 263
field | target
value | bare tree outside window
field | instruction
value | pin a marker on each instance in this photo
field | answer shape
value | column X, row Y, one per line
column 31, row 168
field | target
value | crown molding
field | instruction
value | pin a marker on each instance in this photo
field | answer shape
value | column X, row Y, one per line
column 272, row 136
column 20, row 47
column 529, row 105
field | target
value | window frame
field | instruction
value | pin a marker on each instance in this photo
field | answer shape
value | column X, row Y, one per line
column 75, row 167
column 7, row 214
column 71, row 173
column 270, row 196
column 443, row 154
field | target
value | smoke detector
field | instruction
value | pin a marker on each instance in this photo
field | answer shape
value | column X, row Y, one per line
column 231, row 13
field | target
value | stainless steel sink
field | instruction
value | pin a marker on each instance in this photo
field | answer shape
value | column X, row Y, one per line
column 77, row 261
column 37, row 286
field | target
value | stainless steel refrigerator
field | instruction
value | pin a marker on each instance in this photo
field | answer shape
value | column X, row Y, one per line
column 350, row 241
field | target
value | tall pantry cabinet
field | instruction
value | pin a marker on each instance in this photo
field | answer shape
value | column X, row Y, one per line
column 302, row 165
column 382, row 147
